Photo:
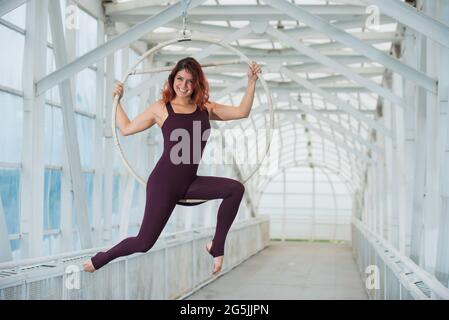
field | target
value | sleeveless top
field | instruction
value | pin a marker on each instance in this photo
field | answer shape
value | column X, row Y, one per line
column 185, row 136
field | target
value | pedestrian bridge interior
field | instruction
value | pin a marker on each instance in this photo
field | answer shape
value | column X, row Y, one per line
column 347, row 182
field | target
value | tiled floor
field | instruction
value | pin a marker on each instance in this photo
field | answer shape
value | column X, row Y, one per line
column 291, row 270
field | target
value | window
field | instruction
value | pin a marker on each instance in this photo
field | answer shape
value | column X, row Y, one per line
column 52, row 199
column 9, row 194
column 11, row 128
column 11, row 58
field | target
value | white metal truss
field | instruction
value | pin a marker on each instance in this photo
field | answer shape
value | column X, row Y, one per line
column 71, row 139
column 334, row 100
column 415, row 19
column 110, row 46
column 9, row 5
column 387, row 139
column 301, row 14
column 316, row 55
column 135, row 11
column 33, row 169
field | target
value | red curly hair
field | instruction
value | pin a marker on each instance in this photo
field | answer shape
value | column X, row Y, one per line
column 200, row 94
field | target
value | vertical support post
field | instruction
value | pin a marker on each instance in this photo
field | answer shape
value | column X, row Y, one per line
column 442, row 260
column 66, row 91
column 409, row 57
column 284, row 209
column 108, row 144
column 433, row 137
column 97, row 201
column 420, row 159
column 33, row 167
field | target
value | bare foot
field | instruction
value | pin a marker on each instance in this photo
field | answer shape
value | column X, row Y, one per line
column 88, row 266
column 218, row 261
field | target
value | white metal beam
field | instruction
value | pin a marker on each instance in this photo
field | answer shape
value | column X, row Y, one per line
column 229, row 11
column 98, row 190
column 33, row 169
column 109, row 47
column 199, row 56
column 299, row 32
column 337, row 127
column 291, row 87
column 336, row 101
column 70, row 136
column 67, row 231
column 318, row 67
column 95, row 8
column 367, row 37
column 287, row 149
column 343, row 174
column 320, row 81
column 432, row 143
column 359, row 156
column 237, row 12
column 333, row 48
column 127, row 181
column 68, row 222
column 317, row 23
column 419, row 160
column 320, row 111
column 442, row 261
column 295, row 163
column 108, row 152
column 9, row 5
column 316, row 55
column 167, row 56
column 415, row 19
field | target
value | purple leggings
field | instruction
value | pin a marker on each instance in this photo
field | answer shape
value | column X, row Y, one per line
column 159, row 208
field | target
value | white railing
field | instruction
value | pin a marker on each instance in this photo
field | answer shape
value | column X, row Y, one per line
column 420, row 283
column 175, row 267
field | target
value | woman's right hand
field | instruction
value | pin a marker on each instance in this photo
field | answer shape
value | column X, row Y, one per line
column 118, row 90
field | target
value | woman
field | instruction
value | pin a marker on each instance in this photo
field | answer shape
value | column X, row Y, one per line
column 184, row 106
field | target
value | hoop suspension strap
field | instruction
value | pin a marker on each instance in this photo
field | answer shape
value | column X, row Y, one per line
column 185, row 4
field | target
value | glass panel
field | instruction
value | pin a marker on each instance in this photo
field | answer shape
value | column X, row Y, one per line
column 17, row 16
column 11, row 58
column 89, row 184
column 86, row 90
column 11, row 130
column 85, row 129
column 118, row 65
column 54, row 136
column 300, row 201
column 52, row 199
column 9, row 194
column 323, row 201
column 115, row 194
column 53, row 93
column 86, row 37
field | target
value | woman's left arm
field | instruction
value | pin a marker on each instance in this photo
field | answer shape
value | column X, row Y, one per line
column 225, row 112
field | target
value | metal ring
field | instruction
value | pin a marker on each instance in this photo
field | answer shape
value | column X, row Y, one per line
column 152, row 51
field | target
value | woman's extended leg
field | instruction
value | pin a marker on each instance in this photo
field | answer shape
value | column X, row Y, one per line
column 157, row 212
column 231, row 191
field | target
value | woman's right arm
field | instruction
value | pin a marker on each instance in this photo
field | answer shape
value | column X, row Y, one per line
column 142, row 122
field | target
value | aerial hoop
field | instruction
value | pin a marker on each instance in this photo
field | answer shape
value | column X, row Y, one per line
column 133, row 70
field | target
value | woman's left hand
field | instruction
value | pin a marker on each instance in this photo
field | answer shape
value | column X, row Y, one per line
column 253, row 71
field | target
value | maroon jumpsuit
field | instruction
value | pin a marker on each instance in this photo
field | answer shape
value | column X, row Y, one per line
column 171, row 181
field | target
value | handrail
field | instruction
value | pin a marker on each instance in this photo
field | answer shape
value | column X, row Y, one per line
column 434, row 285
column 80, row 253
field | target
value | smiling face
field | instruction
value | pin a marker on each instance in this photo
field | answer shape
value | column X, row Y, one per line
column 187, row 82
column 183, row 83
